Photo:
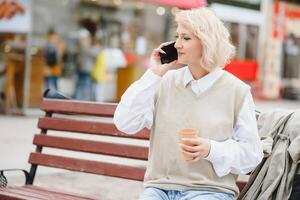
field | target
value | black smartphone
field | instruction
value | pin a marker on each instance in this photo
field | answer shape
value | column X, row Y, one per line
column 171, row 53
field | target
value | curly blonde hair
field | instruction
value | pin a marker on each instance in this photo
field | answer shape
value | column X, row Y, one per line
column 217, row 48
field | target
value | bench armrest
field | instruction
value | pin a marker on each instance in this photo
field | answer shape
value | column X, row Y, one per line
column 3, row 179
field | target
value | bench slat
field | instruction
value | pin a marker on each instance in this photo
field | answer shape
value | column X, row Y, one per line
column 95, row 167
column 89, row 127
column 122, row 150
column 38, row 193
column 17, row 193
column 5, row 195
column 241, row 185
column 78, row 107
column 48, row 193
column 55, row 190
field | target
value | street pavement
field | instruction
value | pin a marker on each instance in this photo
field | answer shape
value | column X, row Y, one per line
column 16, row 135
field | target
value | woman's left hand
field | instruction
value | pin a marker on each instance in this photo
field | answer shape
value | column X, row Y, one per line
column 195, row 147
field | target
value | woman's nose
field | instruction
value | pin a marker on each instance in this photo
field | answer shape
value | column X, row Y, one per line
column 177, row 45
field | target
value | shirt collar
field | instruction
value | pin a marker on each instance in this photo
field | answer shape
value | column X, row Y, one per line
column 205, row 81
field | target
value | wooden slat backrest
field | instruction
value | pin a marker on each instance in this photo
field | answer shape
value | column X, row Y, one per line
column 106, row 148
column 95, row 167
column 78, row 107
column 88, row 127
column 85, row 118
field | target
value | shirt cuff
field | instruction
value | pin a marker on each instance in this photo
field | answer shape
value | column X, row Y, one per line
column 216, row 158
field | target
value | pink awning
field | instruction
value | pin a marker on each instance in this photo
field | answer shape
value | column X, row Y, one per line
column 182, row 4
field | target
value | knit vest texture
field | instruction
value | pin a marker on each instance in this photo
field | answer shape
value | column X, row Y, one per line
column 214, row 113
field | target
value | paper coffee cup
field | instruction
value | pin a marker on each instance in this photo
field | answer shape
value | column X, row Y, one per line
column 187, row 133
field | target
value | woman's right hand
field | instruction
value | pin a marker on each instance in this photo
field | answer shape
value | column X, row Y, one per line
column 155, row 63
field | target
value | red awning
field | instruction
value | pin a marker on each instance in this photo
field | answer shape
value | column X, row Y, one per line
column 182, row 4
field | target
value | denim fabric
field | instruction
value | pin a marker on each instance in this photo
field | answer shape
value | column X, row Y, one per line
column 51, row 82
column 152, row 193
column 83, row 86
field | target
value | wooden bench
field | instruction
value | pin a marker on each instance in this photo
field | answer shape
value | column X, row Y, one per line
column 68, row 117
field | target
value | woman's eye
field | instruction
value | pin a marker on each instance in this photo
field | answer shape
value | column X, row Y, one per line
column 176, row 36
column 186, row 38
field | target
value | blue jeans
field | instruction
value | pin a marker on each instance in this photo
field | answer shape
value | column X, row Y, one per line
column 51, row 82
column 152, row 193
column 83, row 86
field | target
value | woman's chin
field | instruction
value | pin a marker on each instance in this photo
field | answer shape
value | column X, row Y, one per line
column 180, row 61
column 183, row 63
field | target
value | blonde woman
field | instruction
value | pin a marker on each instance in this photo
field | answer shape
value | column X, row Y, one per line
column 203, row 96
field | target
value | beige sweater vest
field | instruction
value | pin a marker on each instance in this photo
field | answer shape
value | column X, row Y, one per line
column 213, row 113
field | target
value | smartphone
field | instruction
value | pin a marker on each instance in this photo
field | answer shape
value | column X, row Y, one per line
column 171, row 54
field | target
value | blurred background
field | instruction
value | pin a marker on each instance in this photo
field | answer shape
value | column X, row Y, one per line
column 94, row 49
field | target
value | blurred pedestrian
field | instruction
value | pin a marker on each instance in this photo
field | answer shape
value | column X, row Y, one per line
column 104, row 70
column 53, row 53
column 291, row 58
column 88, row 51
